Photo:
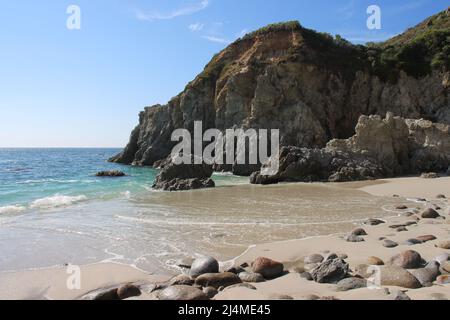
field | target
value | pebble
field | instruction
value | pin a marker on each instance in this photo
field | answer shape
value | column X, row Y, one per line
column 401, row 229
column 374, row 222
column 389, row 244
column 441, row 196
column 353, row 238
column 268, row 268
column 127, row 291
column 401, row 207
column 182, row 293
column 407, row 259
column 412, row 242
column 430, row 214
column 217, row 280
column 204, row 265
column 351, row 284
column 251, row 277
column 375, row 261
column 426, row 238
column 313, row 258
column 359, row 232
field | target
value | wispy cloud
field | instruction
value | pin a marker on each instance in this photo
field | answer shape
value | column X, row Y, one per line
column 194, row 27
column 185, row 11
column 217, row 39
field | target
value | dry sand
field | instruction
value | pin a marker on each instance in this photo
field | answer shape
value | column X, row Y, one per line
column 51, row 283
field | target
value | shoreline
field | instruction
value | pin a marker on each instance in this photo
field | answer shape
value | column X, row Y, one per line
column 290, row 252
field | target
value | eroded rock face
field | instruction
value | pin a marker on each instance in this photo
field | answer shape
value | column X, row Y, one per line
column 308, row 86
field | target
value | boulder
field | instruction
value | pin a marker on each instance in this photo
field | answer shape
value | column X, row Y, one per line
column 217, row 280
column 251, row 277
column 331, row 271
column 399, row 277
column 268, row 268
column 407, row 259
column 427, row 275
column 127, row 291
column 204, row 265
column 351, row 284
column 182, row 293
column 430, row 214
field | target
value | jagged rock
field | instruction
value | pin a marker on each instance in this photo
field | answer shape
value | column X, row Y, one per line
column 390, row 244
column 110, row 174
column 268, row 268
column 204, row 265
column 331, row 271
column 407, row 259
column 217, row 280
column 182, row 293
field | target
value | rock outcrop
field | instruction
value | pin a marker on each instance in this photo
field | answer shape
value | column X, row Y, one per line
column 314, row 88
column 380, row 148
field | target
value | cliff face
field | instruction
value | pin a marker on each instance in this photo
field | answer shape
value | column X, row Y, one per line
column 309, row 85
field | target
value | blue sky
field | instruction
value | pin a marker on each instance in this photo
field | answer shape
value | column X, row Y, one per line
column 84, row 88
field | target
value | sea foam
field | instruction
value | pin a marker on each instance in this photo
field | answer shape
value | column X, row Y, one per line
column 12, row 209
column 56, row 201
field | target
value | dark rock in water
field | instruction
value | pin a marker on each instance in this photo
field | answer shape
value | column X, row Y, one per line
column 359, row 232
column 313, row 258
column 430, row 214
column 204, row 265
column 426, row 238
column 268, row 268
column 399, row 277
column 375, row 261
column 427, row 275
column 181, row 177
column 390, row 244
column 444, row 244
column 251, row 277
column 110, row 174
column 217, row 280
column 127, row 291
column 181, row 280
column 374, row 222
column 210, row 292
column 182, row 293
column 353, row 238
column 351, row 284
column 407, row 259
column 429, row 175
column 400, row 296
column 331, row 271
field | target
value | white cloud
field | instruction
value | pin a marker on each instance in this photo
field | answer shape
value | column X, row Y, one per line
column 196, row 27
column 216, row 39
column 185, row 11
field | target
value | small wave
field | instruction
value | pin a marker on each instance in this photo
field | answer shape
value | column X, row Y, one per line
column 46, row 181
column 56, row 201
column 12, row 209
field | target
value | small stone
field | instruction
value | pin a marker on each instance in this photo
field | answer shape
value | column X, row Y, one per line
column 396, row 226
column 359, row 232
column 426, row 238
column 374, row 222
column 127, row 291
column 400, row 296
column 430, row 214
column 110, row 174
column 313, row 258
column 217, row 280
column 312, row 297
column 268, row 268
column 204, row 265
column 331, row 271
column 441, row 196
column 210, row 292
column 407, row 259
column 375, row 261
column 401, row 207
column 181, row 280
column 410, row 223
column 351, row 284
column 443, row 279
column 399, row 277
column 444, row 245
column 353, row 238
column 182, row 293
column 412, row 242
column 251, row 277
column 389, row 244
column 401, row 229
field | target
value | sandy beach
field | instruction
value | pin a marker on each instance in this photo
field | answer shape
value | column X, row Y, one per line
column 405, row 223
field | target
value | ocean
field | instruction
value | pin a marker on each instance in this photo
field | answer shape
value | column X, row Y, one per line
column 54, row 211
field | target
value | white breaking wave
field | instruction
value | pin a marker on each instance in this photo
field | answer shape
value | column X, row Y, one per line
column 56, row 201
column 12, row 209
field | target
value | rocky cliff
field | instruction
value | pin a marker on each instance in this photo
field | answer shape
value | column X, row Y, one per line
column 311, row 86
